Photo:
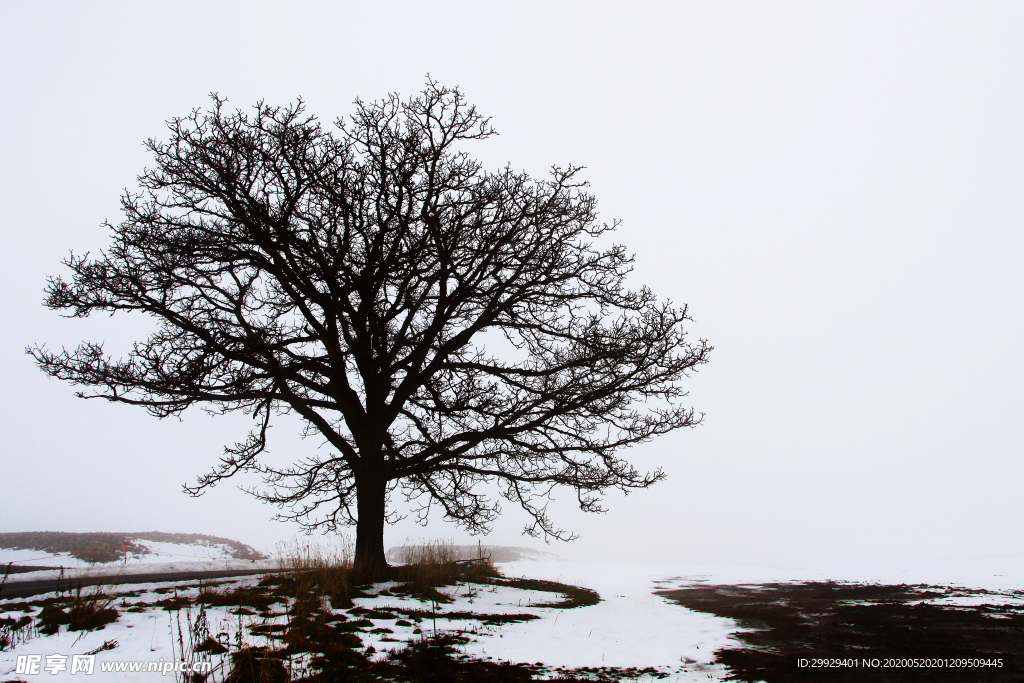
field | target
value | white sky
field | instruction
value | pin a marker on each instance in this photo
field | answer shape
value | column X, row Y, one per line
column 834, row 188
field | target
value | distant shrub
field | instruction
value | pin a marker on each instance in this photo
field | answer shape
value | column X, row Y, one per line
column 101, row 547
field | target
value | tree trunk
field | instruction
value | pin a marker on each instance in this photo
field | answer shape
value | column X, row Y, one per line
column 370, row 561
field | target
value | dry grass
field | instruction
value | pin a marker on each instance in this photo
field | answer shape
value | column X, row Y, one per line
column 311, row 572
column 80, row 611
column 238, row 597
column 257, row 665
column 15, row 631
column 429, row 565
column 479, row 571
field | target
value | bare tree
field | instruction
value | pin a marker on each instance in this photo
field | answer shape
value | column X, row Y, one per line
column 353, row 278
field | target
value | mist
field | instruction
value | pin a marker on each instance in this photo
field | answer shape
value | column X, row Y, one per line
column 834, row 190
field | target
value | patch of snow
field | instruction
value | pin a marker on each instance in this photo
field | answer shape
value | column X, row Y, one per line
column 630, row 627
column 978, row 599
column 39, row 557
column 149, row 636
column 160, row 553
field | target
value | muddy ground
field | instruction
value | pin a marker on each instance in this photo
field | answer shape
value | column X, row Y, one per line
column 852, row 632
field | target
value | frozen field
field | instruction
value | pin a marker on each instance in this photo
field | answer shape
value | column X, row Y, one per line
column 159, row 553
column 630, row 627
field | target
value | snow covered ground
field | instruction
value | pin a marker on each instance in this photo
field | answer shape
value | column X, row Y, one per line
column 630, row 627
column 115, row 570
column 159, row 553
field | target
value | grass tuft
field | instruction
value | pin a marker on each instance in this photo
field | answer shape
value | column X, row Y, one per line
column 311, row 574
column 88, row 611
column 15, row 631
column 257, row 665
column 431, row 565
column 428, row 565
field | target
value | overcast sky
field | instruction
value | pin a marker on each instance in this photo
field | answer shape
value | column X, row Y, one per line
column 835, row 189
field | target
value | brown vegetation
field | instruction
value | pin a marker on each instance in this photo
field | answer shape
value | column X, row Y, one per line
column 110, row 546
column 15, row 631
column 575, row 596
column 92, row 547
column 496, row 553
column 312, row 578
column 427, row 566
column 307, row 615
column 79, row 611
column 831, row 621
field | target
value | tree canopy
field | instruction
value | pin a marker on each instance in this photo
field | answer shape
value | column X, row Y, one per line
column 439, row 325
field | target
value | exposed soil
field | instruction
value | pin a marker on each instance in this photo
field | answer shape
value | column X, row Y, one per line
column 857, row 624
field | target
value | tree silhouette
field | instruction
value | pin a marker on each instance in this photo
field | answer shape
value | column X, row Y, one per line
column 439, row 325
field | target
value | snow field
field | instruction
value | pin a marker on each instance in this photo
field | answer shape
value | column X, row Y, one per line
column 629, row 628
column 160, row 554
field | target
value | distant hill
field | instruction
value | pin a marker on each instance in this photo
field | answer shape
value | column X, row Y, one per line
column 109, row 546
column 497, row 553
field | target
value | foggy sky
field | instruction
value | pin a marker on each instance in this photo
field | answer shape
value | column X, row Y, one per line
column 835, row 189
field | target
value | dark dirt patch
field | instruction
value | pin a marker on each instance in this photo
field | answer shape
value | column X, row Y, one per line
column 211, row 646
column 172, row 604
column 418, row 615
column 575, row 596
column 266, row 629
column 20, row 606
column 831, row 621
column 15, row 624
column 603, row 674
column 433, row 660
column 254, row 598
column 371, row 613
column 438, row 660
column 424, row 593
